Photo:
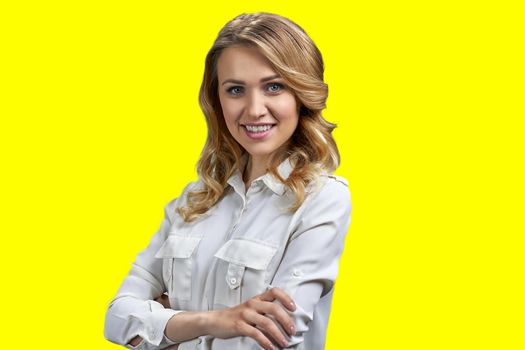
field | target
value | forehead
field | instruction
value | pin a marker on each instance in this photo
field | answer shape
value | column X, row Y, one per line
column 244, row 63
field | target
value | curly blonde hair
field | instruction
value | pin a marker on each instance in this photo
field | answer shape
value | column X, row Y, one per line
column 295, row 57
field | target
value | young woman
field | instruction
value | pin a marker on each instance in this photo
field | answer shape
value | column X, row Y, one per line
column 247, row 255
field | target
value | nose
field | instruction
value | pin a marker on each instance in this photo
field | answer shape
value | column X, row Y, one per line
column 256, row 105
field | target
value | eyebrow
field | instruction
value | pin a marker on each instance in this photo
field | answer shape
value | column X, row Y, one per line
column 242, row 82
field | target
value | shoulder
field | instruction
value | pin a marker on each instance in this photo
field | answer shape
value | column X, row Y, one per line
column 337, row 178
column 328, row 194
column 328, row 202
column 330, row 188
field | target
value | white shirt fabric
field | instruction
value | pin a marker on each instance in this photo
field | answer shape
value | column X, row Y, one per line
column 241, row 247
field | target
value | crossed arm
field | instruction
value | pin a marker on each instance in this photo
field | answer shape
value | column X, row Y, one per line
column 251, row 318
column 139, row 308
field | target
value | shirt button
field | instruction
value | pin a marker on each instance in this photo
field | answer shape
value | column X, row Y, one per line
column 233, row 280
column 296, row 272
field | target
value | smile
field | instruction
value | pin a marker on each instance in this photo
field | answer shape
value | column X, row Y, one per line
column 258, row 132
column 260, row 128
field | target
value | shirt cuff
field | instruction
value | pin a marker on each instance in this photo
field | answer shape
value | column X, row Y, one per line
column 168, row 341
column 155, row 324
column 143, row 345
column 191, row 344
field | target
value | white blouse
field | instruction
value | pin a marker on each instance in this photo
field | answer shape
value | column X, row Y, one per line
column 241, row 247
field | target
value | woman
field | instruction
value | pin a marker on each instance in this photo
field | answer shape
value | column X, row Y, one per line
column 248, row 254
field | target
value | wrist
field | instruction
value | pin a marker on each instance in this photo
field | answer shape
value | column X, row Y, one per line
column 187, row 325
column 207, row 320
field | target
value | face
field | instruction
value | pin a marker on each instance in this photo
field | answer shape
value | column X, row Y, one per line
column 259, row 110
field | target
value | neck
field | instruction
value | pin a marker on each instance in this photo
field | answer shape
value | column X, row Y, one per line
column 255, row 167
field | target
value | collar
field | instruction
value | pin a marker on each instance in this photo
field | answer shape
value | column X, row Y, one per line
column 284, row 169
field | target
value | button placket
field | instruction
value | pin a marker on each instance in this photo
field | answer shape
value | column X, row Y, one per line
column 238, row 219
column 254, row 189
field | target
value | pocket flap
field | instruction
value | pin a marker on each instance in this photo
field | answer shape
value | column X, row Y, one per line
column 178, row 247
column 255, row 255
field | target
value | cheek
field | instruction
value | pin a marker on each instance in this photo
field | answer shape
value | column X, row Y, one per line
column 228, row 111
column 286, row 108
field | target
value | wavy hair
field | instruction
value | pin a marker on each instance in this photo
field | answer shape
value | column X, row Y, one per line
column 311, row 148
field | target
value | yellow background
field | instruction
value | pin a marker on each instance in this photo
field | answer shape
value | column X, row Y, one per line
column 100, row 128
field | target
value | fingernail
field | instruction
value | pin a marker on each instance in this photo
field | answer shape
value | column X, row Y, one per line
column 284, row 342
column 292, row 330
column 292, row 304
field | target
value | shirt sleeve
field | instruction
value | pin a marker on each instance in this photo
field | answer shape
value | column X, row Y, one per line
column 311, row 261
column 133, row 311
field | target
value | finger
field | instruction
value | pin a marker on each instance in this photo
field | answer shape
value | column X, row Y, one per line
column 256, row 334
column 158, row 299
column 279, row 294
column 279, row 313
column 268, row 325
column 164, row 300
column 269, row 337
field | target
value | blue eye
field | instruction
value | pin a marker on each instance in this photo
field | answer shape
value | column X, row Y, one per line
column 233, row 91
column 238, row 90
column 278, row 85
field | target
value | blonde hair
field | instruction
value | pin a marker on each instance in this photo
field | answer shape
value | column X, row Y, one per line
column 298, row 61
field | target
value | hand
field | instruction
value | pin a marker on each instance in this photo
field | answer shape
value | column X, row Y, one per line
column 255, row 318
column 164, row 300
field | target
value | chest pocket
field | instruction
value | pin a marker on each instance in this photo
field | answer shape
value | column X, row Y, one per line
column 178, row 256
column 242, row 270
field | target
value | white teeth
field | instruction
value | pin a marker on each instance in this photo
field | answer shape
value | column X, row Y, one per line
column 258, row 128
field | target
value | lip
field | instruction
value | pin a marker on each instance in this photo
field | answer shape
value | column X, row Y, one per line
column 258, row 135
